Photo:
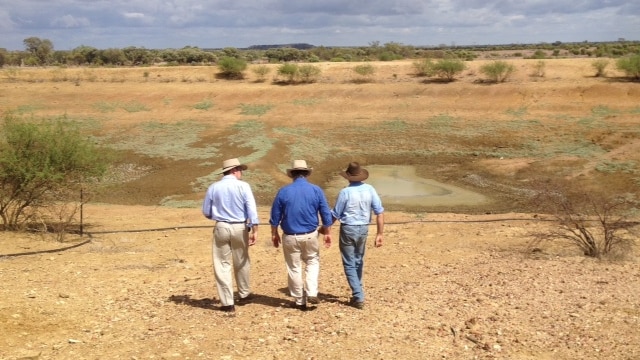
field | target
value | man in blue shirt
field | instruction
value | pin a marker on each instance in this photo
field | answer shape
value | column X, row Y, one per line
column 230, row 203
column 353, row 209
column 295, row 209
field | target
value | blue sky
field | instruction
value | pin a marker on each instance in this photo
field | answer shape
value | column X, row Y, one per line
column 161, row 24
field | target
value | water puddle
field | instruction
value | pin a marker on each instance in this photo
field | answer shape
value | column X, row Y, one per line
column 399, row 185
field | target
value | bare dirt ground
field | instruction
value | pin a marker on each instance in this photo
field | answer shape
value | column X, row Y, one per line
column 451, row 283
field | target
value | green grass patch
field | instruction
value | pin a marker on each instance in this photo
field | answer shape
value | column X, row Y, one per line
column 396, row 125
column 27, row 109
column 105, row 106
column 134, row 106
column 203, row 105
column 131, row 106
column 604, row 111
column 155, row 139
column 519, row 112
column 252, row 134
column 254, row 109
column 305, row 102
column 627, row 167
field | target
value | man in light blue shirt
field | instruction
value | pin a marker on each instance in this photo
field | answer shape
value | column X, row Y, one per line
column 230, row 203
column 353, row 210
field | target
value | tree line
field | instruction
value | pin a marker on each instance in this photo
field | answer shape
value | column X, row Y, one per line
column 41, row 52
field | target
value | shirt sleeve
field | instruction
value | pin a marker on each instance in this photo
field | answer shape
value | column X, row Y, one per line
column 325, row 211
column 250, row 206
column 207, row 202
column 338, row 208
column 376, row 203
column 276, row 211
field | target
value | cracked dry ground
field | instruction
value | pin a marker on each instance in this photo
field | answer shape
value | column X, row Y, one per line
column 443, row 285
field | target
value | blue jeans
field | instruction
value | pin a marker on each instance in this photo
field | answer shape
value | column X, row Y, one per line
column 353, row 241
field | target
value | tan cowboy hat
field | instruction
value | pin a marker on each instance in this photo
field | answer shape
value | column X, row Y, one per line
column 232, row 163
column 299, row 165
column 354, row 172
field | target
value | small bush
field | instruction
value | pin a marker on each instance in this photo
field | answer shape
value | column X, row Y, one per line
column 423, row 67
column 288, row 71
column 630, row 66
column 538, row 69
column 365, row 71
column 309, row 73
column 593, row 223
column 448, row 68
column 232, row 68
column 600, row 65
column 498, row 71
column 261, row 72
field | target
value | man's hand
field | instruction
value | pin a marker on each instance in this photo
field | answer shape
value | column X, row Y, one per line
column 275, row 239
column 327, row 241
column 378, row 242
column 253, row 237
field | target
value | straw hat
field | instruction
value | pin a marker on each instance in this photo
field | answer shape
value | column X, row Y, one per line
column 355, row 173
column 232, row 163
column 299, row 165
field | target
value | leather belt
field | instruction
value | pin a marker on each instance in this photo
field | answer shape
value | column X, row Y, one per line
column 306, row 233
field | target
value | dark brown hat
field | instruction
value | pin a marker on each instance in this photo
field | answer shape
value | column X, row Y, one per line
column 354, row 172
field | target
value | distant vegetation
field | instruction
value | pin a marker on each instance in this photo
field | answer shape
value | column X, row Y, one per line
column 41, row 52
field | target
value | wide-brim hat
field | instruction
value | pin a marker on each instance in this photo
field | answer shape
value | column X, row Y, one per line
column 299, row 165
column 231, row 164
column 355, row 172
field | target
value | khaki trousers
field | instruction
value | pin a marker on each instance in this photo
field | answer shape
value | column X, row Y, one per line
column 301, row 254
column 231, row 260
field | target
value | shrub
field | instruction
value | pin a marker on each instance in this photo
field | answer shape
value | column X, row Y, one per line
column 309, row 73
column 39, row 162
column 232, row 68
column 261, row 71
column 448, row 68
column 630, row 66
column 365, row 71
column 538, row 69
column 288, row 71
column 600, row 66
column 424, row 67
column 594, row 223
column 498, row 71
column 539, row 54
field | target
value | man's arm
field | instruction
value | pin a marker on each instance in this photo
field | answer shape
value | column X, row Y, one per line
column 380, row 228
column 206, row 204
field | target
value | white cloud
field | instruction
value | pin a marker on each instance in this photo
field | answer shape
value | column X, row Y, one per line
column 69, row 21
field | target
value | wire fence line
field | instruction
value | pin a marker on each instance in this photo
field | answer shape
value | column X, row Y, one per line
column 90, row 234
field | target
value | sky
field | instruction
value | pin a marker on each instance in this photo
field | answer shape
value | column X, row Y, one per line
column 164, row 24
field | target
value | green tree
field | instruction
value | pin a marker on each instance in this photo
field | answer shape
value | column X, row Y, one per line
column 40, row 159
column 630, row 66
column 498, row 71
column 40, row 49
